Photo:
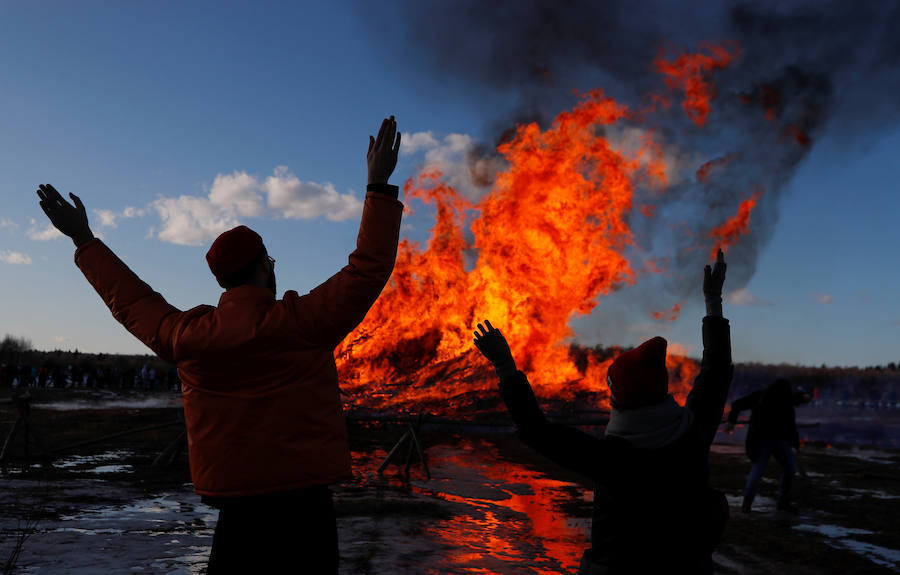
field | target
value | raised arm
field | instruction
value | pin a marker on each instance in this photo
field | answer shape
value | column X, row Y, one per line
column 742, row 404
column 710, row 391
column 331, row 310
column 566, row 446
column 133, row 303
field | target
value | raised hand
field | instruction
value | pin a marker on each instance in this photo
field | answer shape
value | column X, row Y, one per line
column 383, row 151
column 68, row 219
column 492, row 345
column 713, row 279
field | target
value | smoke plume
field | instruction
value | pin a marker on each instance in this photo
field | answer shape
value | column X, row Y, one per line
column 796, row 73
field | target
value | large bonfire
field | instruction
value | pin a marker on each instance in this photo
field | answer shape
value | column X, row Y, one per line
column 550, row 239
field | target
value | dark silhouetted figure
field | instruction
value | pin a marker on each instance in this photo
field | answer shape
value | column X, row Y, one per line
column 261, row 399
column 654, row 511
column 772, row 432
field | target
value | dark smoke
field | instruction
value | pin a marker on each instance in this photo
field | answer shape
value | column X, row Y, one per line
column 805, row 70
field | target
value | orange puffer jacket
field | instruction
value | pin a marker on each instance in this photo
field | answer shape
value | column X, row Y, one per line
column 261, row 397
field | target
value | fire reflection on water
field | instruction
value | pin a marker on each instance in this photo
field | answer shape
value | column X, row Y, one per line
column 505, row 517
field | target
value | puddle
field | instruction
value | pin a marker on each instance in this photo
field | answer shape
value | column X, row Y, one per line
column 850, row 493
column 870, row 455
column 111, row 469
column 170, row 533
column 482, row 512
column 489, row 515
column 837, row 537
column 95, row 463
column 80, row 404
column 761, row 503
column 513, row 515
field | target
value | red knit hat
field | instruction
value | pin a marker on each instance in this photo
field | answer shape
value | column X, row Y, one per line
column 639, row 377
column 233, row 250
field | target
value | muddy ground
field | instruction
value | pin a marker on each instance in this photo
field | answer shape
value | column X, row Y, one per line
column 491, row 506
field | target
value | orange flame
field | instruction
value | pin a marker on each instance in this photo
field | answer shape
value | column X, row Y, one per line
column 550, row 239
column 670, row 315
column 648, row 211
column 728, row 233
column 691, row 72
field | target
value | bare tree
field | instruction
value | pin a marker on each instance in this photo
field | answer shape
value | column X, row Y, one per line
column 13, row 344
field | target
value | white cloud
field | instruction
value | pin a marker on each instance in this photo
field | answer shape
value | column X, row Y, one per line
column 191, row 220
column 469, row 173
column 107, row 218
column 7, row 224
column 60, row 339
column 196, row 220
column 823, row 298
column 133, row 212
column 291, row 198
column 42, row 234
column 743, row 298
column 9, row 257
column 237, row 192
column 411, row 143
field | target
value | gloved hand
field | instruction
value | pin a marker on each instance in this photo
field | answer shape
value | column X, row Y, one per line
column 492, row 345
column 713, row 279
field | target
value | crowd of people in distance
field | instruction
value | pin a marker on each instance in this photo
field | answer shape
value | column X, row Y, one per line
column 75, row 376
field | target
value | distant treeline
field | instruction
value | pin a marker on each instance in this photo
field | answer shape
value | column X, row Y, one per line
column 17, row 351
column 21, row 366
column 875, row 385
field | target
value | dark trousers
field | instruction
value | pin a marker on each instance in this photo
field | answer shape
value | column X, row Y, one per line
column 783, row 454
column 291, row 532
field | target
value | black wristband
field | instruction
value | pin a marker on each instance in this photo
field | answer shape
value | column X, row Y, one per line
column 386, row 189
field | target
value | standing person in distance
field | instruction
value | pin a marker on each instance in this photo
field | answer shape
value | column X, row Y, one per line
column 772, row 433
column 266, row 432
column 654, row 511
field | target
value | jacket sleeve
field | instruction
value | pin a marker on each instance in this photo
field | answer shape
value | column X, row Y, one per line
column 566, row 446
column 134, row 304
column 742, row 404
column 331, row 311
column 710, row 391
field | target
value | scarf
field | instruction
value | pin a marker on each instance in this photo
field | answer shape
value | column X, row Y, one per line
column 651, row 426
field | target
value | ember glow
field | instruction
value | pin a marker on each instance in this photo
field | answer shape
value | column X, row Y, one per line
column 670, row 315
column 728, row 233
column 551, row 239
column 691, row 72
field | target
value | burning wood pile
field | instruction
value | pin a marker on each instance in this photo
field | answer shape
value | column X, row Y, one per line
column 552, row 237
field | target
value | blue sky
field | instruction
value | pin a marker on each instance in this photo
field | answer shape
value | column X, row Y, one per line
column 146, row 109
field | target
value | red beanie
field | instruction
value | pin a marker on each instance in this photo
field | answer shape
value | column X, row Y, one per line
column 233, row 250
column 639, row 377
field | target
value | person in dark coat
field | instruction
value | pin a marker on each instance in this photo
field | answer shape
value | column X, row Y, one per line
column 772, row 432
column 654, row 510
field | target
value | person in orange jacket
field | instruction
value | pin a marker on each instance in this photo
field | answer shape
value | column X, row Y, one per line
column 266, row 432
